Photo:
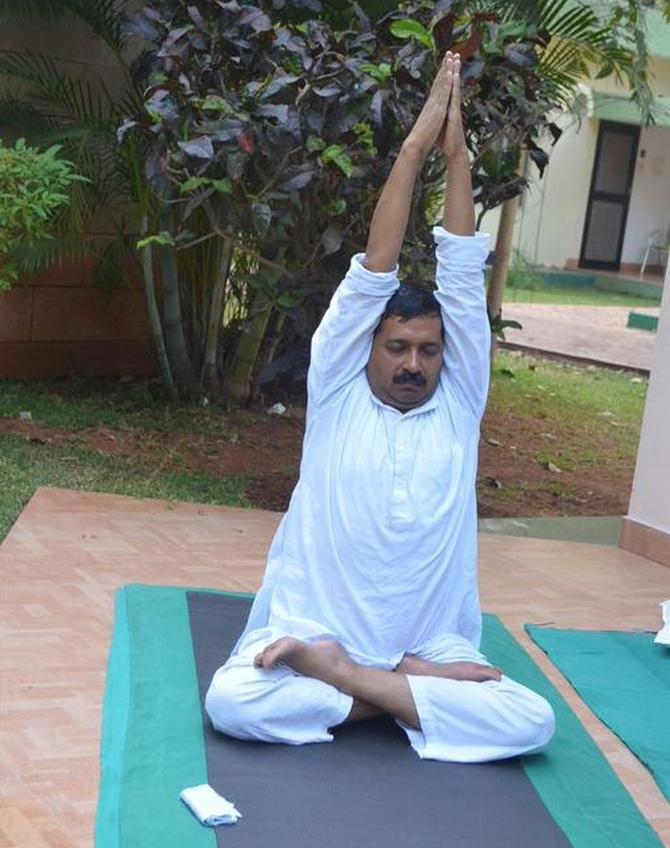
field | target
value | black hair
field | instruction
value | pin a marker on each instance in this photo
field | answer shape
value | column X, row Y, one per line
column 411, row 300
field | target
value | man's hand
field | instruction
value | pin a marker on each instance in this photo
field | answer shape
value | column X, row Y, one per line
column 430, row 125
column 459, row 210
column 452, row 136
column 389, row 222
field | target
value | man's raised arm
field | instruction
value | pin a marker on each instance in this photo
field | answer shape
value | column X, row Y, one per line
column 341, row 345
column 461, row 254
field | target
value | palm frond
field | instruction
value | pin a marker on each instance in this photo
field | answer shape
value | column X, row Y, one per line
column 21, row 119
column 106, row 18
column 25, row 10
column 506, row 10
column 580, row 26
column 57, row 94
column 112, row 259
column 32, row 257
column 564, row 57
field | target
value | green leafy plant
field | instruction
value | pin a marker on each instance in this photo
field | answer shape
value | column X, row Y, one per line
column 34, row 186
column 500, row 324
column 522, row 275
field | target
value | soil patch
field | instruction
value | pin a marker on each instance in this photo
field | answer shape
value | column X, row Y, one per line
column 512, row 481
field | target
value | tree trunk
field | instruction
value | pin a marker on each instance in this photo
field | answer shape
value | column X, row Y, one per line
column 276, row 338
column 155, row 318
column 175, row 339
column 209, row 376
column 237, row 382
column 503, row 251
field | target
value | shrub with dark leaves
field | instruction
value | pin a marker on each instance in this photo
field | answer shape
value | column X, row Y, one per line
column 286, row 130
column 280, row 132
column 279, row 135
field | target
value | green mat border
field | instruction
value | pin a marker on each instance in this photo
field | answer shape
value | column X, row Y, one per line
column 587, row 801
column 594, row 691
column 579, row 788
column 587, row 529
column 142, row 689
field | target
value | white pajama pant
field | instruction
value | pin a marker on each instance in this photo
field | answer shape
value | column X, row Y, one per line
column 461, row 721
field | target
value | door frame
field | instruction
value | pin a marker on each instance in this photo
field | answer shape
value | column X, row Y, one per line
column 624, row 129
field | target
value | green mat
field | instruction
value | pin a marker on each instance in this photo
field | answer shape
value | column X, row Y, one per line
column 590, row 529
column 624, row 678
column 152, row 738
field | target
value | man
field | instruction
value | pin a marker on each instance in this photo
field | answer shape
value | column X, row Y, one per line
column 369, row 603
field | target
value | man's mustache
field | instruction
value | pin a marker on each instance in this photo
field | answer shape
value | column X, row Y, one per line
column 414, row 378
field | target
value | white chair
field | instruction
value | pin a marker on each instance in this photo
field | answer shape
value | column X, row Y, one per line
column 659, row 241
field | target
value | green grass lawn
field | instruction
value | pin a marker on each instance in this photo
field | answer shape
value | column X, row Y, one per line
column 574, row 296
column 26, row 464
column 568, row 394
column 77, row 403
column 585, row 421
column 592, row 418
column 526, row 285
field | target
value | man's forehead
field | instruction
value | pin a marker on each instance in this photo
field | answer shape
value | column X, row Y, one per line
column 422, row 327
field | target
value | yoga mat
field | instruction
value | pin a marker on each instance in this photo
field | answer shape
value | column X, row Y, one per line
column 155, row 742
column 624, row 678
column 368, row 787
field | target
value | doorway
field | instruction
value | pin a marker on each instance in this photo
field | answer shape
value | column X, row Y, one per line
column 609, row 196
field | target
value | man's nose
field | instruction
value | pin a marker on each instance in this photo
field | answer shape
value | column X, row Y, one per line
column 413, row 361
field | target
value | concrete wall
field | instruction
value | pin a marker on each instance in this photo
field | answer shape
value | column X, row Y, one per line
column 60, row 322
column 650, row 498
column 646, row 528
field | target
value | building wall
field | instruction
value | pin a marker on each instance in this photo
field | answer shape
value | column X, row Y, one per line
column 649, row 207
column 551, row 216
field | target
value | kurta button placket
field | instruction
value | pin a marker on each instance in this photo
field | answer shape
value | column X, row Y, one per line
column 399, row 511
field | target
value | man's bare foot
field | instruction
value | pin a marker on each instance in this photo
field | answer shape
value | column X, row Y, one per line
column 413, row 665
column 327, row 660
column 323, row 659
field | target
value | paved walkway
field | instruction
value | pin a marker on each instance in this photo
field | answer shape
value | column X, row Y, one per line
column 596, row 333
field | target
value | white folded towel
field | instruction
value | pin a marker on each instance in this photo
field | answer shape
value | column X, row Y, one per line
column 663, row 635
column 208, row 806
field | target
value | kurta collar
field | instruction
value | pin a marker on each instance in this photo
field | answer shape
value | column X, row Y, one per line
column 429, row 405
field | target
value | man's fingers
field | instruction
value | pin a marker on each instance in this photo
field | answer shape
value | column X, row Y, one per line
column 455, row 102
column 444, row 78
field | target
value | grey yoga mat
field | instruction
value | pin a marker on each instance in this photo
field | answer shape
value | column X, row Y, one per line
column 367, row 788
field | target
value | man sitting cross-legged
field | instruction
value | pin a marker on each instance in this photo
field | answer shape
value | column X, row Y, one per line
column 370, row 602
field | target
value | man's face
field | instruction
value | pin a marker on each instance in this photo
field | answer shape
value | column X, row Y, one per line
column 406, row 360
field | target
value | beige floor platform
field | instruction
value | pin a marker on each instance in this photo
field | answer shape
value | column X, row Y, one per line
column 69, row 551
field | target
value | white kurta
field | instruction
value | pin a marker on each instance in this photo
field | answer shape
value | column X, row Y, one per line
column 378, row 547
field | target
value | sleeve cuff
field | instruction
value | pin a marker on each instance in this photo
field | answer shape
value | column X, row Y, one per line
column 474, row 248
column 361, row 279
